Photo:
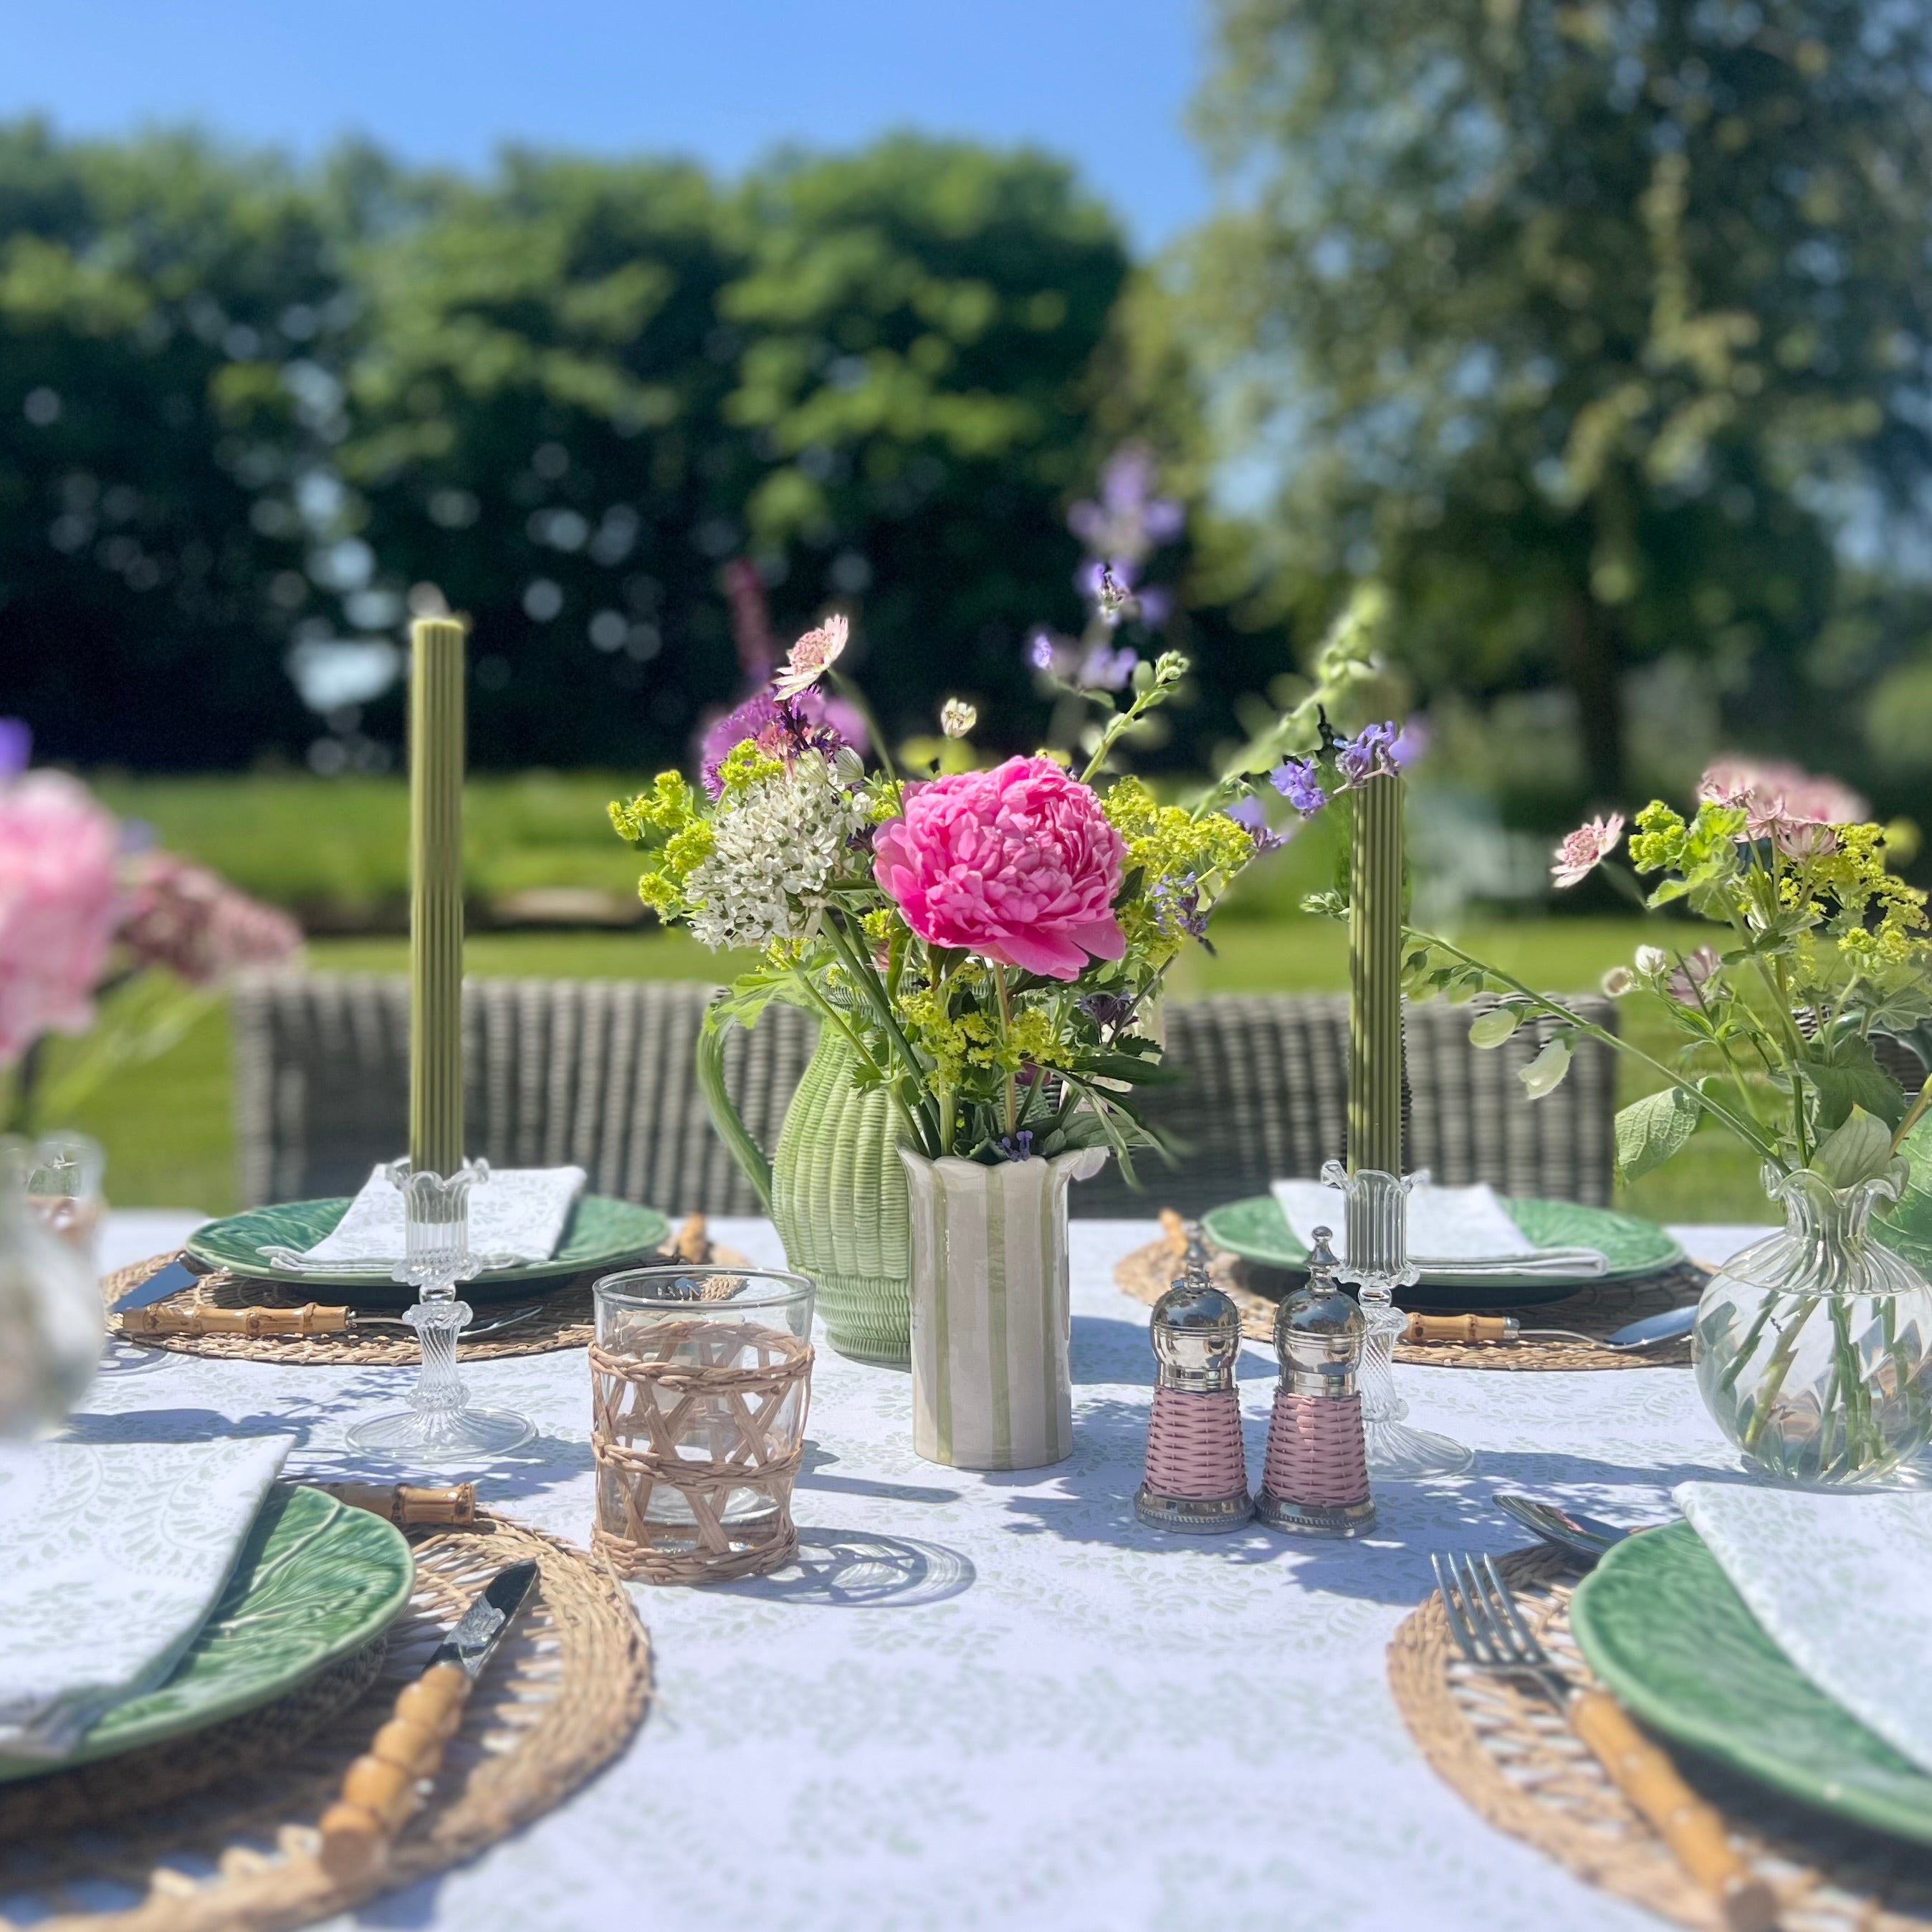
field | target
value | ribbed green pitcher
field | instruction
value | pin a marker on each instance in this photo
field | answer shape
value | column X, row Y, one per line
column 837, row 1193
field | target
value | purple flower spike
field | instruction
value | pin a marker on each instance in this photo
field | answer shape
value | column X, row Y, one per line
column 1039, row 651
column 1249, row 815
column 1018, row 1147
column 16, row 746
column 1298, row 781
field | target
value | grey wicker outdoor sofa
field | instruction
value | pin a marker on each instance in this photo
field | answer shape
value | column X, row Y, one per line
column 599, row 1072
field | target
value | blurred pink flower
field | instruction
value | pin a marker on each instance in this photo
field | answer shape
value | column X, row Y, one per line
column 58, row 905
column 1685, row 985
column 1586, row 848
column 1018, row 865
column 184, row 917
column 1777, row 796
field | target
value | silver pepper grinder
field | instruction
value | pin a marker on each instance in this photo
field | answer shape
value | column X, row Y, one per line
column 1315, row 1480
column 1197, row 1477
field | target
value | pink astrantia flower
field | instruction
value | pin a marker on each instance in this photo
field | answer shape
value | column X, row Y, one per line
column 811, row 657
column 1018, row 865
column 1586, row 848
column 58, row 906
column 184, row 917
column 1686, row 984
column 1776, row 798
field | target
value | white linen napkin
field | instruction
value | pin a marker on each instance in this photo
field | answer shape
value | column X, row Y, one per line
column 115, row 1554
column 1839, row 1583
column 1445, row 1224
column 518, row 1215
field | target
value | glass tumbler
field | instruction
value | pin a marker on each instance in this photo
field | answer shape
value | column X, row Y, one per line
column 701, row 1379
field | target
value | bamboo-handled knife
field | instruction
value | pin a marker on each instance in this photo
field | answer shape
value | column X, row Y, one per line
column 383, row 1790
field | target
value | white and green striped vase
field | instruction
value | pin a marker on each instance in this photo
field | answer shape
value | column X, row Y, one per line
column 992, row 1322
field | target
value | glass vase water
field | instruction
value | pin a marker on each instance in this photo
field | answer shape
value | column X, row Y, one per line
column 1376, row 1207
column 1813, row 1347
column 440, row 1423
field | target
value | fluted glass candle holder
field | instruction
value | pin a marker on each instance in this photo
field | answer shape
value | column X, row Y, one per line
column 1376, row 1205
column 440, row 1424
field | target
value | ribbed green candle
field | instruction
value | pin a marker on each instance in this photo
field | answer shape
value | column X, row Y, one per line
column 435, row 895
column 1375, row 976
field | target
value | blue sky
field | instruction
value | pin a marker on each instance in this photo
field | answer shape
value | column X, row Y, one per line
column 1103, row 82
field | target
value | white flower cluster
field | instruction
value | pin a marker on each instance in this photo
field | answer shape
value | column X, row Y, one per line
column 782, row 840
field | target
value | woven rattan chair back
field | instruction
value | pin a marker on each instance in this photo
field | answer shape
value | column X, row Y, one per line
column 597, row 1071
column 600, row 1073
column 1265, row 1097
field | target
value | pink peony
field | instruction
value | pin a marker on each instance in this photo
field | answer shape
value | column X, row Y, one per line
column 1586, row 848
column 1018, row 865
column 58, row 907
column 182, row 916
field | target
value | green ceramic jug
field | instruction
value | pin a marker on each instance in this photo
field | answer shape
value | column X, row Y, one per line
column 836, row 1189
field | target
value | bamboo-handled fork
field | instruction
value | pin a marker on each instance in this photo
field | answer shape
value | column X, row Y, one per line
column 1491, row 1634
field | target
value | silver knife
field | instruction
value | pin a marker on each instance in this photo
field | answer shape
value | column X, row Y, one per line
column 382, row 1790
column 158, row 1286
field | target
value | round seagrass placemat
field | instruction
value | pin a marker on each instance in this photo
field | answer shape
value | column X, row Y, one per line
column 561, row 1698
column 1508, row 1751
column 1597, row 1311
column 564, row 1319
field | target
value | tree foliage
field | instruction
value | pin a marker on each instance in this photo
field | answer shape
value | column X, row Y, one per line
column 563, row 398
column 1600, row 332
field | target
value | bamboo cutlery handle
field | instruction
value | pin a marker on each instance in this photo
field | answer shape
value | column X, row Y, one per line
column 410, row 1505
column 383, row 1790
column 1425, row 1328
column 1694, row 1832
column 199, row 1319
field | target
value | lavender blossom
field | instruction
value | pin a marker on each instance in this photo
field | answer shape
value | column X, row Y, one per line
column 1373, row 751
column 1039, row 652
column 1177, row 908
column 16, row 746
column 1104, row 670
column 1017, row 1147
column 1299, row 782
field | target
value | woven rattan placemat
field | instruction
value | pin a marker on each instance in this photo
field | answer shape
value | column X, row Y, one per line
column 1148, row 1272
column 563, row 1319
column 562, row 1697
column 1507, row 1751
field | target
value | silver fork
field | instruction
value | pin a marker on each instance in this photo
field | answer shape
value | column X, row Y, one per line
column 1493, row 1636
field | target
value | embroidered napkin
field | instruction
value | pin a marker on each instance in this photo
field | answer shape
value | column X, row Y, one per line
column 517, row 1215
column 115, row 1554
column 1839, row 1584
column 1447, row 1224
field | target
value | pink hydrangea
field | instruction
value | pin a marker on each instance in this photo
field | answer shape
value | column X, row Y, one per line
column 184, row 917
column 1018, row 865
column 58, row 903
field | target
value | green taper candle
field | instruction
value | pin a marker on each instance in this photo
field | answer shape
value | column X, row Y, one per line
column 1375, row 975
column 435, row 895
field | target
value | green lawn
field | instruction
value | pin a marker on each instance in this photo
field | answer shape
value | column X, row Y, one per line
column 168, row 1130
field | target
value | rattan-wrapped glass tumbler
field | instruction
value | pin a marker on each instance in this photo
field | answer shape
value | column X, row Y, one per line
column 700, row 1379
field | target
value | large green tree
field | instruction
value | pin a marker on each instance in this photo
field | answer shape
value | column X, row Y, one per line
column 158, row 303
column 585, row 387
column 1598, row 331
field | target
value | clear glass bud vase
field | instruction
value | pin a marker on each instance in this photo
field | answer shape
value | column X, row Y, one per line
column 1814, row 1346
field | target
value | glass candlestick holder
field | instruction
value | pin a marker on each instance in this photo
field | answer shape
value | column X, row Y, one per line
column 1376, row 1206
column 440, row 1424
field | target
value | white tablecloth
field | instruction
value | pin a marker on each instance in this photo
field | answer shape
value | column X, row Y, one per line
column 998, row 1701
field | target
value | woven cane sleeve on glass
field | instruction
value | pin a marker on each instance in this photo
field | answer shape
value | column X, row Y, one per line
column 1194, row 1444
column 1314, row 1450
